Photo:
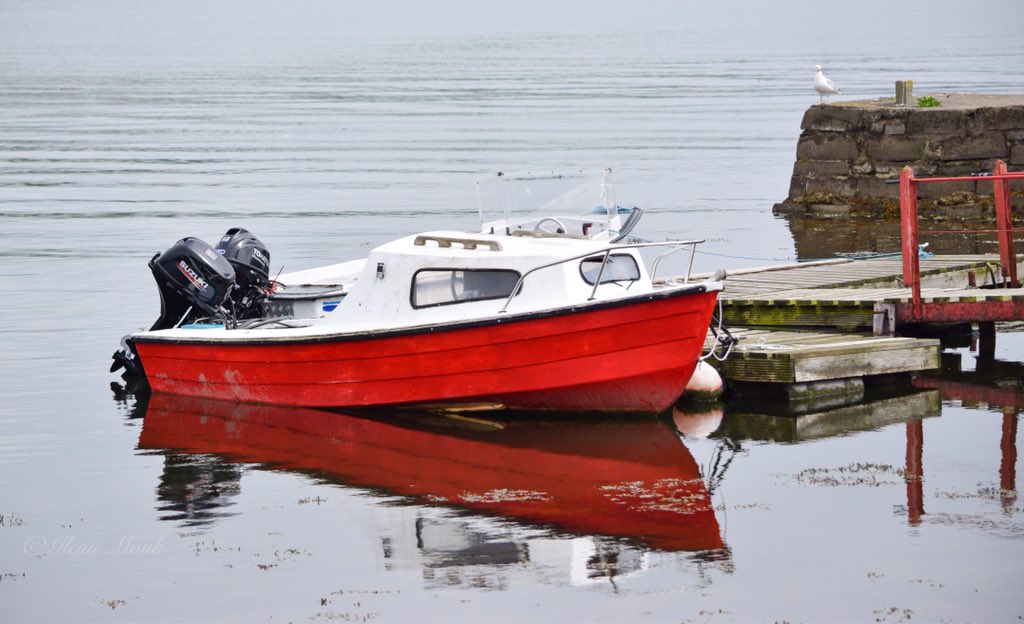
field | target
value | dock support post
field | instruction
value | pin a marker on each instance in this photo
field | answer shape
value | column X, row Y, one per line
column 986, row 341
column 1004, row 224
column 908, row 219
column 884, row 323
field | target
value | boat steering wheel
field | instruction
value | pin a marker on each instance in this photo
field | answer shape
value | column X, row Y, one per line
column 558, row 224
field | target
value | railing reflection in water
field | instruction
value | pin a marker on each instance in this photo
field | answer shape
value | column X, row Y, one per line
column 996, row 384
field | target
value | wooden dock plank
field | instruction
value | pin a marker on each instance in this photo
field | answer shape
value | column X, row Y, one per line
column 868, row 361
column 858, row 273
column 849, row 318
column 791, row 357
column 843, row 294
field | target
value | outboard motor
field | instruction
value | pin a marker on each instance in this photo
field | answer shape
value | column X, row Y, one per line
column 251, row 262
column 194, row 281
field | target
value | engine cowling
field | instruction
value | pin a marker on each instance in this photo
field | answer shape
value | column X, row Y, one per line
column 250, row 260
column 194, row 282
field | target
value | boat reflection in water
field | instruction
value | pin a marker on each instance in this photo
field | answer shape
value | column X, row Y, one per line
column 621, row 488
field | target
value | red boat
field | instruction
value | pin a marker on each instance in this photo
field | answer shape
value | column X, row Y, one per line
column 541, row 321
column 632, row 479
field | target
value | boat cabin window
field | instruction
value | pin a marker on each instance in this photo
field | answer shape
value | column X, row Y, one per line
column 620, row 268
column 433, row 287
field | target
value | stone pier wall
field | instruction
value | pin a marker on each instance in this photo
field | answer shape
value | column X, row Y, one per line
column 848, row 151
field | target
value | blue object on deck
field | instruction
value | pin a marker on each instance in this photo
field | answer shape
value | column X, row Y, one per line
column 618, row 209
column 203, row 326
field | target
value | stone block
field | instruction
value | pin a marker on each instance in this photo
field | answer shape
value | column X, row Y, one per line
column 821, row 168
column 863, row 167
column 874, row 186
column 828, row 210
column 788, row 208
column 797, row 187
column 1017, row 154
column 828, row 124
column 1000, row 119
column 929, row 167
column 826, row 148
column 938, row 190
column 895, row 149
column 891, row 170
column 895, row 128
column 961, row 168
column 935, row 122
column 989, row 145
column 852, row 117
column 829, row 187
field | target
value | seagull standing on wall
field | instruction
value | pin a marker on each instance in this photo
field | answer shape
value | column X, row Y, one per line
column 823, row 85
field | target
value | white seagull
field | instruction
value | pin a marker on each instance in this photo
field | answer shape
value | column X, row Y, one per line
column 823, row 85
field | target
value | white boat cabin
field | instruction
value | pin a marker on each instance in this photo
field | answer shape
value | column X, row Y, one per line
column 448, row 276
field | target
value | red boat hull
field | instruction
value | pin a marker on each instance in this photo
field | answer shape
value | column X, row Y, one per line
column 632, row 356
column 631, row 479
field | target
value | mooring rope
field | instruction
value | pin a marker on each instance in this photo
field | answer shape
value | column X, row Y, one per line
column 723, row 337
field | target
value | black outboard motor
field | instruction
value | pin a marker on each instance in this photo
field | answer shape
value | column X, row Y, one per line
column 194, row 281
column 251, row 262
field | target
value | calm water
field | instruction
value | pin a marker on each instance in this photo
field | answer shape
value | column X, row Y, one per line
column 329, row 127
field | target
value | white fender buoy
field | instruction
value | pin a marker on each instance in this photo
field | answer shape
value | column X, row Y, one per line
column 705, row 383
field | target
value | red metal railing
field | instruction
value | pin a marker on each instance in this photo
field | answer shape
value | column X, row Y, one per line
column 1000, row 179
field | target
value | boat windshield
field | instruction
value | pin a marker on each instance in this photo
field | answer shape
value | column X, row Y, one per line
column 579, row 203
